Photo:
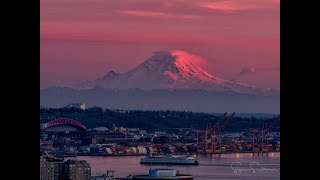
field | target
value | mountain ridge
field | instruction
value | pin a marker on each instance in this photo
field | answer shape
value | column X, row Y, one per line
column 171, row 70
column 184, row 100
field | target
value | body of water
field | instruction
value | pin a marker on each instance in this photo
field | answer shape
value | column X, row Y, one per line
column 225, row 166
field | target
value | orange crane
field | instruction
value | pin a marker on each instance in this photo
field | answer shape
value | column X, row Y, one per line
column 216, row 133
column 202, row 135
column 209, row 146
column 265, row 133
column 206, row 139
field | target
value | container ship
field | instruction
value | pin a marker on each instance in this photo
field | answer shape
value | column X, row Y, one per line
column 169, row 160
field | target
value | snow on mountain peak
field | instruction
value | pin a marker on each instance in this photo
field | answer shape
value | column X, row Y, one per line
column 171, row 70
column 179, row 66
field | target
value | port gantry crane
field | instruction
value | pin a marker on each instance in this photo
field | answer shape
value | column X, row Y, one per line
column 262, row 137
column 213, row 132
column 202, row 136
column 265, row 133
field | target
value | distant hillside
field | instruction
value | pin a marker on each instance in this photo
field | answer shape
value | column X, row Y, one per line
column 150, row 120
column 179, row 100
column 252, row 115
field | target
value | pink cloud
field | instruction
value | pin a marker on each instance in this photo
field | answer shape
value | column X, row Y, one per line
column 167, row 4
column 156, row 14
column 94, row 34
column 195, row 59
column 252, row 69
column 241, row 5
column 258, row 43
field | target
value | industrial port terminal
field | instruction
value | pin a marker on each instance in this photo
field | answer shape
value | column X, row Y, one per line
column 68, row 137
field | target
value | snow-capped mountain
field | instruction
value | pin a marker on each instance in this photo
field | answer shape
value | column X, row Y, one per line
column 171, row 70
column 166, row 81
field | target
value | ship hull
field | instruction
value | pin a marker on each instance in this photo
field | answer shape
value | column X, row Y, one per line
column 171, row 163
column 169, row 160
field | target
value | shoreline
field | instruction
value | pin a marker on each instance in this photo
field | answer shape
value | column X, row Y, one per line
column 126, row 155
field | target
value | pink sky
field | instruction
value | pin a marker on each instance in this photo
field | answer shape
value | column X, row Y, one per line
column 84, row 39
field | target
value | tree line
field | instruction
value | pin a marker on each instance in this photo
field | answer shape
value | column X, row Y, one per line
column 149, row 120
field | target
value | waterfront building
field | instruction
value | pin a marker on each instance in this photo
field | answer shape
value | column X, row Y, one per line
column 162, row 174
column 77, row 106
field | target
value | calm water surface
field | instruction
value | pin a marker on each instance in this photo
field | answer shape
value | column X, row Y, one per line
column 225, row 166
